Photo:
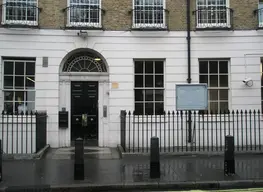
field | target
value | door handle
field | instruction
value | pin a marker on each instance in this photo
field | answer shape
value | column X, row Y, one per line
column 84, row 120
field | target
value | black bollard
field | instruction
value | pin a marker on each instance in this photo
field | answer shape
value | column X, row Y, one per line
column 155, row 158
column 229, row 164
column 1, row 154
column 79, row 160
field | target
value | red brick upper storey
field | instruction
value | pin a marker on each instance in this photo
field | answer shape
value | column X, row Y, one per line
column 125, row 15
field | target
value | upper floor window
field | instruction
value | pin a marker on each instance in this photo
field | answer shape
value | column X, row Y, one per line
column 23, row 12
column 19, row 85
column 259, row 13
column 213, row 13
column 84, row 13
column 149, row 13
column 215, row 74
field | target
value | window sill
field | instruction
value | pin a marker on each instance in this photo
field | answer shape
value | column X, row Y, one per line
column 149, row 27
column 84, row 26
column 208, row 26
column 19, row 23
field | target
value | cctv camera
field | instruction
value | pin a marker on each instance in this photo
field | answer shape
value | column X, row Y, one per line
column 246, row 80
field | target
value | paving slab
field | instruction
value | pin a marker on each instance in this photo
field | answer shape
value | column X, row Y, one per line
column 177, row 173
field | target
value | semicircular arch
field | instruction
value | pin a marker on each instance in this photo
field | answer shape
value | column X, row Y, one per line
column 84, row 60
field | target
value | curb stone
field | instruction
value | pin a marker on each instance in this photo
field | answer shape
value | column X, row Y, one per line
column 35, row 156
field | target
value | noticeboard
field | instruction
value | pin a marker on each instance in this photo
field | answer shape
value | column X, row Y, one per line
column 191, row 97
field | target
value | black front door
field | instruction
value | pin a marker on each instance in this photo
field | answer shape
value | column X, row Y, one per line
column 84, row 111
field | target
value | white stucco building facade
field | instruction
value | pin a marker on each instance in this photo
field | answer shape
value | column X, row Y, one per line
column 119, row 49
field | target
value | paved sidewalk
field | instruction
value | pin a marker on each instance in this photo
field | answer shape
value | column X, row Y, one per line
column 133, row 173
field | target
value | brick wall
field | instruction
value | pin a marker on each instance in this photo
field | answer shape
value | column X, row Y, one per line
column 117, row 16
column 52, row 15
column 243, row 14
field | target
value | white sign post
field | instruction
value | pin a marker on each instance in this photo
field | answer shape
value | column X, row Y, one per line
column 191, row 97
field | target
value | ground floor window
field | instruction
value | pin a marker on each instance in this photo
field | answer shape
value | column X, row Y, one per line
column 19, row 85
column 214, row 72
column 149, row 87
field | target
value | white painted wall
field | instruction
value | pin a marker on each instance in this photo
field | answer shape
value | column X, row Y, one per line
column 119, row 49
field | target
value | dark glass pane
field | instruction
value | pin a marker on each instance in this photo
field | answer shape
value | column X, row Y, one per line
column 8, row 82
column 148, row 80
column 213, row 66
column 159, row 95
column 159, row 108
column 223, row 94
column 203, row 79
column 223, row 67
column 139, row 95
column 148, row 95
column 148, row 108
column 203, row 67
column 30, row 106
column 224, row 106
column 30, row 82
column 19, row 96
column 9, row 68
column 30, row 68
column 9, row 95
column 158, row 80
column 159, row 67
column 223, row 81
column 19, row 68
column 213, row 81
column 213, row 95
column 138, row 67
column 138, row 81
column 8, row 107
column 213, row 106
column 138, row 108
column 149, row 67
column 19, row 82
column 261, row 93
column 30, row 96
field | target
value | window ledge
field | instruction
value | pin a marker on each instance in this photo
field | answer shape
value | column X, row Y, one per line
column 208, row 26
column 149, row 27
column 14, row 23
column 80, row 25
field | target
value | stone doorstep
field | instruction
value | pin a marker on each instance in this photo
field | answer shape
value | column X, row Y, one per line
column 185, row 153
column 35, row 156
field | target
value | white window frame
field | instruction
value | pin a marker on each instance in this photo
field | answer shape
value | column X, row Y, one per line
column 217, row 88
column 260, row 13
column 152, row 25
column 150, row 88
column 30, row 23
column 18, row 90
column 207, row 25
column 83, row 24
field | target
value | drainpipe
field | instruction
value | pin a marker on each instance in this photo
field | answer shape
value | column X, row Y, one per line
column 189, row 64
column 188, row 40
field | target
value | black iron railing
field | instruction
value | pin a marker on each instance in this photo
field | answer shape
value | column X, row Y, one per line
column 151, row 19
column 19, row 14
column 23, row 133
column 214, row 18
column 83, row 17
column 208, row 131
column 259, row 14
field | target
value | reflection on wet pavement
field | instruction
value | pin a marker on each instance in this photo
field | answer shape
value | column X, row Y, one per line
column 56, row 169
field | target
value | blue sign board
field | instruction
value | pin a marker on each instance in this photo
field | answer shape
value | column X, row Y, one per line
column 191, row 97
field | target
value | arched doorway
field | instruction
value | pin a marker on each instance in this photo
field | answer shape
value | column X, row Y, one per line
column 84, row 76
